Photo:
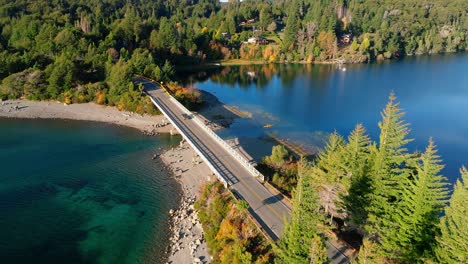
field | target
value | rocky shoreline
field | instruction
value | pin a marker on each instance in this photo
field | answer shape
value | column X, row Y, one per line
column 187, row 244
column 186, row 225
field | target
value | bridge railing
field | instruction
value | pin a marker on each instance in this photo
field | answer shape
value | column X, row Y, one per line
column 223, row 143
column 197, row 150
column 245, row 163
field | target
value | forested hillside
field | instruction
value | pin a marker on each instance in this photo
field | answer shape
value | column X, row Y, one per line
column 79, row 51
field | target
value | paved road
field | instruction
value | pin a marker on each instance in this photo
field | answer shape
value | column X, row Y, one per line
column 266, row 207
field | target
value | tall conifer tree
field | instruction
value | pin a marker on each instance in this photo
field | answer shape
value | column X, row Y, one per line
column 389, row 170
column 301, row 241
column 368, row 254
column 453, row 241
column 292, row 26
column 330, row 160
column 356, row 180
column 356, row 155
column 329, row 174
column 423, row 199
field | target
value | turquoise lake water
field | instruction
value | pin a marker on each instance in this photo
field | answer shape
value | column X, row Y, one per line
column 306, row 102
column 82, row 192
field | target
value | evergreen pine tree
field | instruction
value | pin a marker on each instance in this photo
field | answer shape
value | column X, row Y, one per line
column 231, row 23
column 301, row 241
column 423, row 199
column 356, row 180
column 329, row 175
column 356, row 153
column 389, row 170
column 453, row 241
column 368, row 254
column 292, row 26
column 330, row 160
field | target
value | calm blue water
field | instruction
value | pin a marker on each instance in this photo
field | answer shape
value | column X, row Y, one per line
column 305, row 102
column 82, row 192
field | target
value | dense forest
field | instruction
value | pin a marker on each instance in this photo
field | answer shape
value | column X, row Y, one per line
column 80, row 51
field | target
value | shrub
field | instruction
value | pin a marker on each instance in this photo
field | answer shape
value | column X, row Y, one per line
column 229, row 233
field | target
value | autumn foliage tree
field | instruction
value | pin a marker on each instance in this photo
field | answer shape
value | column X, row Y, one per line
column 327, row 43
column 230, row 235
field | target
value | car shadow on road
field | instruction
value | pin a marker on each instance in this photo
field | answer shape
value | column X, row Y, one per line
column 273, row 199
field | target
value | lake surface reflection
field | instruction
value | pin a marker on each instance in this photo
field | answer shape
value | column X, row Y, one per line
column 306, row 102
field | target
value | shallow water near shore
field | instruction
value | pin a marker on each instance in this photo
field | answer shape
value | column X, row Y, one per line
column 82, row 192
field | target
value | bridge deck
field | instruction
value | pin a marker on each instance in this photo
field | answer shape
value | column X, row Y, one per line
column 266, row 207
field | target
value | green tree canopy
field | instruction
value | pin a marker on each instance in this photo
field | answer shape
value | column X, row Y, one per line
column 302, row 240
column 423, row 198
column 279, row 155
column 389, row 170
column 453, row 240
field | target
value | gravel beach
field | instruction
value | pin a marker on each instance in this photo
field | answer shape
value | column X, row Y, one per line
column 187, row 242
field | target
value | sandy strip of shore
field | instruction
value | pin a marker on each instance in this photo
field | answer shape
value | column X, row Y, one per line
column 87, row 111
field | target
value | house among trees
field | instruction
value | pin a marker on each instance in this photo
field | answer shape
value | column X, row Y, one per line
column 257, row 40
column 346, row 38
column 252, row 40
column 247, row 22
column 226, row 35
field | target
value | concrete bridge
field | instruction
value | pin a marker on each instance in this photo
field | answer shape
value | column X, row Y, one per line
column 267, row 207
